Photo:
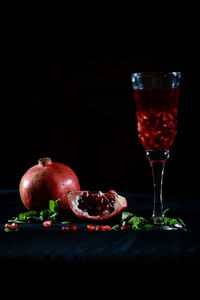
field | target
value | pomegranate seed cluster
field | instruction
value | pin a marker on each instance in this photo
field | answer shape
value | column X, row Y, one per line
column 97, row 204
column 157, row 129
column 13, row 226
column 71, row 227
column 91, row 227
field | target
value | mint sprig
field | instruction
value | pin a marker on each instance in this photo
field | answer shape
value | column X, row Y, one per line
column 171, row 222
column 136, row 222
column 140, row 223
column 52, row 213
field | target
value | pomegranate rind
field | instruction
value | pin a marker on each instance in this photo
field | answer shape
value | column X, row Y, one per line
column 73, row 200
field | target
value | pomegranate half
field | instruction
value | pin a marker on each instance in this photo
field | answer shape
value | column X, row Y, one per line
column 47, row 181
column 96, row 206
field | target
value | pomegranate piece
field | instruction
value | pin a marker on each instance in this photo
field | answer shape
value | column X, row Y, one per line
column 96, row 206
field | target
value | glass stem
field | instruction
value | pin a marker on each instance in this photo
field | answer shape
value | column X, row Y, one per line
column 157, row 161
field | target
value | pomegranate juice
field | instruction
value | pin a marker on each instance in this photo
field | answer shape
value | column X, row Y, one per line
column 156, row 111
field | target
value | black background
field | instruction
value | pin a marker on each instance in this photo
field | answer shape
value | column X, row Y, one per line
column 66, row 89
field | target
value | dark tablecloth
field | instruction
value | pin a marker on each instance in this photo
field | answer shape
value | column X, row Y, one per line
column 53, row 249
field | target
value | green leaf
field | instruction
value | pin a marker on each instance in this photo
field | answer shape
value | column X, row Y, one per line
column 167, row 209
column 15, row 221
column 44, row 214
column 10, row 230
column 181, row 222
column 21, row 216
column 149, row 227
column 116, row 227
column 126, row 215
column 7, row 229
column 54, row 217
column 52, row 205
column 57, row 202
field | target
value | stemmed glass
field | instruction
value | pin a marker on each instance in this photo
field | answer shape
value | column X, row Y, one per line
column 156, row 98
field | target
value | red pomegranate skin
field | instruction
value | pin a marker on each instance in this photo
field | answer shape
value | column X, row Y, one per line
column 47, row 181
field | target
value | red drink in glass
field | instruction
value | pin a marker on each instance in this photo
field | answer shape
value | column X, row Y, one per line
column 156, row 110
column 156, row 97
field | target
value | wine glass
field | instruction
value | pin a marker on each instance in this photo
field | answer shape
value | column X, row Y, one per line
column 156, row 98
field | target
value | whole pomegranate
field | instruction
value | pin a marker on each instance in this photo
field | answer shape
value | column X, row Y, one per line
column 47, row 181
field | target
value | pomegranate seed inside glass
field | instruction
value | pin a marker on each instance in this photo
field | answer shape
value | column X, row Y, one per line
column 156, row 110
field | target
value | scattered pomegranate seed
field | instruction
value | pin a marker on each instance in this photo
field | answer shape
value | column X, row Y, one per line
column 8, row 225
column 73, row 227
column 14, row 226
column 127, row 226
column 106, row 228
column 65, row 228
column 98, row 227
column 47, row 223
column 90, row 227
column 103, row 228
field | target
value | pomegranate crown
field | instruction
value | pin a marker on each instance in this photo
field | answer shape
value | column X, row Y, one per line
column 44, row 161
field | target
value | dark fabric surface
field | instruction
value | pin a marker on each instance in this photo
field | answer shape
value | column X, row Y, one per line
column 42, row 248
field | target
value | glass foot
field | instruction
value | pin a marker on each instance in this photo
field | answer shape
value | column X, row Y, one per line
column 166, row 227
column 161, row 226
